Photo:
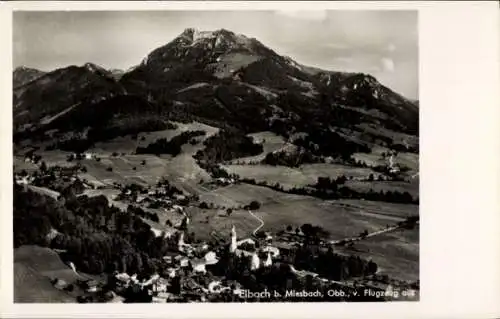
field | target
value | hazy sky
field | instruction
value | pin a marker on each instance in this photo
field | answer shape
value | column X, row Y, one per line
column 381, row 43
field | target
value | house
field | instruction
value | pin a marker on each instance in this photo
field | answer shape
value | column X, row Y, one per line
column 285, row 248
column 211, row 258
column 274, row 251
column 198, row 265
column 162, row 297
column 160, row 285
column 60, row 284
column 89, row 285
column 140, row 198
column 268, row 237
column 23, row 180
column 184, row 262
column 172, row 272
column 178, row 208
column 168, row 259
column 122, row 279
column 179, row 197
column 248, row 241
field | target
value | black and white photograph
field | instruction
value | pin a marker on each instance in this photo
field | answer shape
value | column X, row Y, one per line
column 215, row 156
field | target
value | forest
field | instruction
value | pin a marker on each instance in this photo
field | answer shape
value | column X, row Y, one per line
column 227, row 145
column 172, row 146
column 97, row 237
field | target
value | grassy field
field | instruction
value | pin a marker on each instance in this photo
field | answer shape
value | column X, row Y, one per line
column 128, row 168
column 375, row 158
column 304, row 175
column 270, row 143
column 204, row 222
column 127, row 145
column 396, row 253
column 34, row 267
column 340, row 218
column 20, row 165
column 181, row 167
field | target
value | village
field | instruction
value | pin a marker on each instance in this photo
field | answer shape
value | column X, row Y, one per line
column 194, row 271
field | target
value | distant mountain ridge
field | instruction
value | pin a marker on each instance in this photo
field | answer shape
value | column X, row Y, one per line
column 224, row 79
column 23, row 75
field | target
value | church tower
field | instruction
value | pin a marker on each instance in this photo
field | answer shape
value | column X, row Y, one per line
column 233, row 246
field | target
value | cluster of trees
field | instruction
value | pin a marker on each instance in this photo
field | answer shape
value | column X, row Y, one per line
column 290, row 159
column 228, row 145
column 215, row 170
column 330, row 183
column 141, row 213
column 254, row 205
column 97, row 237
column 324, row 142
column 172, row 147
column 329, row 189
column 167, row 188
column 410, row 222
column 330, row 265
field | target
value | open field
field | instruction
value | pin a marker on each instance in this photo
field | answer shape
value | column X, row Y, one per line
column 375, row 158
column 34, row 267
column 341, row 219
column 270, row 143
column 154, row 168
column 125, row 144
column 297, row 177
column 220, row 223
column 20, row 164
column 396, row 253
column 32, row 287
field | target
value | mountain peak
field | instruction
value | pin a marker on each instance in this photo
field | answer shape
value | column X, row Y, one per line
column 213, row 39
column 91, row 67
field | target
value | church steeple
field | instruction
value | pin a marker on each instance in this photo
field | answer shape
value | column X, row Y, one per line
column 233, row 246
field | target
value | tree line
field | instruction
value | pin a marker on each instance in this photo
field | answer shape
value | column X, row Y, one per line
column 172, row 146
column 97, row 237
column 334, row 191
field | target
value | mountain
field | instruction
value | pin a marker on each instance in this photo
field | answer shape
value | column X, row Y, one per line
column 117, row 73
column 237, row 70
column 47, row 96
column 23, row 75
column 226, row 80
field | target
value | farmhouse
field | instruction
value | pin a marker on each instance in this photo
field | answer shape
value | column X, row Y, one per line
column 160, row 285
column 89, row 285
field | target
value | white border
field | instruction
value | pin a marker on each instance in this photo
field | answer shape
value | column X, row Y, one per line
column 460, row 174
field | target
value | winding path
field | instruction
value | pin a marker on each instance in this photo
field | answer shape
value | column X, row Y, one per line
column 259, row 219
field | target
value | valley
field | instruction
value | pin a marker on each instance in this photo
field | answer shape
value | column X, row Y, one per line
column 212, row 134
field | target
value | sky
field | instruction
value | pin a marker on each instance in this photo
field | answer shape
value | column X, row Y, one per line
column 381, row 43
